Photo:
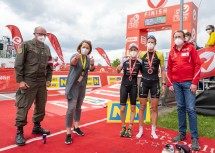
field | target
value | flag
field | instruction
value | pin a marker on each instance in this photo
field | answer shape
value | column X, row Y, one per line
column 104, row 55
column 207, row 57
column 55, row 44
column 16, row 36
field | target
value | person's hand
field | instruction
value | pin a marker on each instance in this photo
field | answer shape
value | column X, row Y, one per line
column 119, row 67
column 193, row 88
column 171, row 88
column 91, row 60
column 77, row 56
column 48, row 83
column 23, row 85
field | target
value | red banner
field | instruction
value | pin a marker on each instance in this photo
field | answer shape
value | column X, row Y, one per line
column 55, row 44
column 104, row 55
column 207, row 57
column 16, row 36
column 156, row 4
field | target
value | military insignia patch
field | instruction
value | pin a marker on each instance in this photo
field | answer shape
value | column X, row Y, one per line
column 19, row 50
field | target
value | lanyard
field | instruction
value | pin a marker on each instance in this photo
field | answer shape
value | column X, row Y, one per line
column 83, row 64
column 131, row 69
column 150, row 61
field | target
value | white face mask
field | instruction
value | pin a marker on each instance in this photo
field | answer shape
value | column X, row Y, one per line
column 209, row 31
column 150, row 46
column 84, row 51
column 133, row 53
column 178, row 41
column 41, row 38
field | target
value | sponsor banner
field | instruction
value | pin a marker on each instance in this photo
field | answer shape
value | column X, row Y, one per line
column 131, row 39
column 113, row 113
column 112, row 79
column 59, row 81
column 95, row 101
column 93, row 81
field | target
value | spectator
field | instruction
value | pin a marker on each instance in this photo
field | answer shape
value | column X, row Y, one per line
column 3, row 65
column 188, row 38
column 211, row 40
column 56, row 64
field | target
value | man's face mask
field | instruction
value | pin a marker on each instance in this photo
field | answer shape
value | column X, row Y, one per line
column 150, row 45
column 41, row 38
column 178, row 41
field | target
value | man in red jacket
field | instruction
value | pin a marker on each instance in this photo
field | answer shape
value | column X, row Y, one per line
column 183, row 73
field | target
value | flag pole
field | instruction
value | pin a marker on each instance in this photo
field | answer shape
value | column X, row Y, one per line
column 181, row 14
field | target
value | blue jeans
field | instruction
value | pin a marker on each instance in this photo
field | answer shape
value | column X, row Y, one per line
column 186, row 102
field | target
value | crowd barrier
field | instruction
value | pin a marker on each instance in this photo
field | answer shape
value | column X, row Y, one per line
column 95, row 80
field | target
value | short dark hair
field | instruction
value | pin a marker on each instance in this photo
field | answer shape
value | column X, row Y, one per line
column 87, row 42
column 212, row 27
column 187, row 34
column 181, row 31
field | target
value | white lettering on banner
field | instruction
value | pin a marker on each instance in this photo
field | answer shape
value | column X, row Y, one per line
column 4, row 77
column 131, row 39
column 62, row 104
column 134, row 21
column 194, row 15
column 176, row 16
column 17, row 40
column 107, row 93
column 143, row 40
column 156, row 12
column 193, row 34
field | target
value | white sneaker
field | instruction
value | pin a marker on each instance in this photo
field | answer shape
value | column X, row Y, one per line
column 154, row 135
column 139, row 134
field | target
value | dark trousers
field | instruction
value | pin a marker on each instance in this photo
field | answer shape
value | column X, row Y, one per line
column 36, row 93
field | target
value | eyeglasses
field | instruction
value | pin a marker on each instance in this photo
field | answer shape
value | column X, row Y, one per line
column 41, row 34
column 151, row 36
column 208, row 29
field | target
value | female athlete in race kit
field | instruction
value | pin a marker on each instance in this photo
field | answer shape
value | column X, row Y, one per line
column 151, row 60
column 131, row 67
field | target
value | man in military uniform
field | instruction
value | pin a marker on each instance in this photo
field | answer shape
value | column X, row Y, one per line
column 33, row 68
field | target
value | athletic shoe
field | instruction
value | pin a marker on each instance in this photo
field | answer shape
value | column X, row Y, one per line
column 195, row 144
column 128, row 133
column 68, row 139
column 78, row 131
column 179, row 137
column 122, row 133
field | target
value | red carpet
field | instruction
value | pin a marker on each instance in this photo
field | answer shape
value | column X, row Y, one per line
column 100, row 137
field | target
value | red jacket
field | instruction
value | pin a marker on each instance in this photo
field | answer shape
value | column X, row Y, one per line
column 183, row 65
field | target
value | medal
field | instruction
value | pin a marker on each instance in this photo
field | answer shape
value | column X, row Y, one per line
column 131, row 69
column 130, row 78
column 150, row 71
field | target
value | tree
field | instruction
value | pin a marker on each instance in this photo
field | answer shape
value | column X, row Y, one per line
column 99, row 64
column 116, row 62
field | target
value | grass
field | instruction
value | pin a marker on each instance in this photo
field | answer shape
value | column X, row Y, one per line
column 206, row 124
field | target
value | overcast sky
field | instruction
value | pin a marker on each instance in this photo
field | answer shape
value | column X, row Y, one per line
column 101, row 21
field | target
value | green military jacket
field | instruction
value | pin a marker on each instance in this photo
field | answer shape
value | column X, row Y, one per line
column 33, row 62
